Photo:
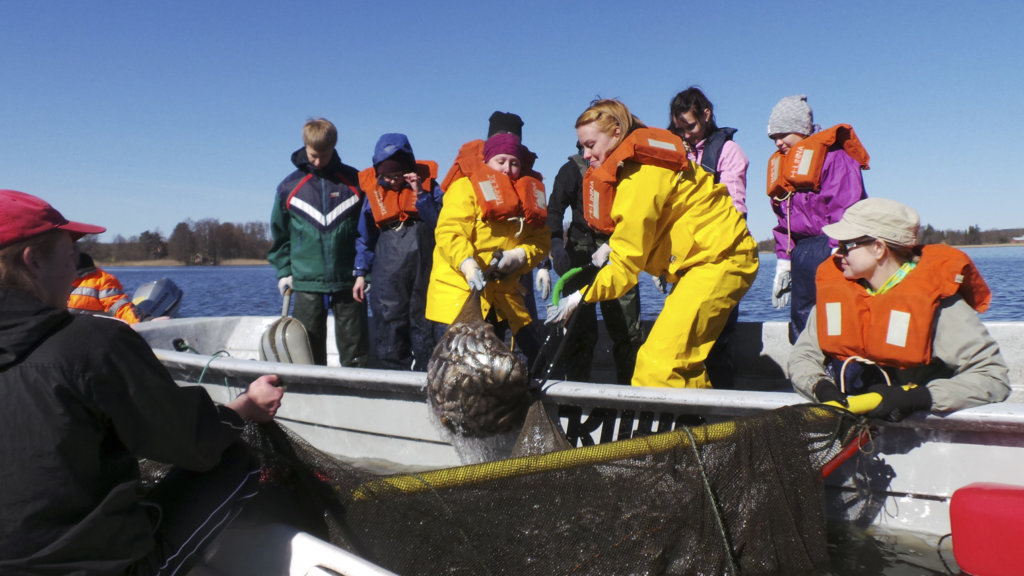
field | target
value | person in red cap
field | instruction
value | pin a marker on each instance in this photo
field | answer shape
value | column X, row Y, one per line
column 76, row 418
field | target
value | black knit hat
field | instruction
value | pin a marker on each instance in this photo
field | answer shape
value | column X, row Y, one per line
column 505, row 122
column 85, row 264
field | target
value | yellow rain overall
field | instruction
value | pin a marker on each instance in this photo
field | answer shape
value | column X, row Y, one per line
column 682, row 225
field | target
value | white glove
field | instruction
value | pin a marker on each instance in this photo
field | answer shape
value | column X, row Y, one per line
column 559, row 257
column 564, row 309
column 512, row 260
column 659, row 283
column 284, row 284
column 600, row 256
column 474, row 276
column 542, row 283
column 783, row 284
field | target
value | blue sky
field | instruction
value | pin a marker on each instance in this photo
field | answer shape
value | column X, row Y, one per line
column 140, row 115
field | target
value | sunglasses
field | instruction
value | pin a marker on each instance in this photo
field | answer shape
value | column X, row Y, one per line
column 845, row 247
column 394, row 177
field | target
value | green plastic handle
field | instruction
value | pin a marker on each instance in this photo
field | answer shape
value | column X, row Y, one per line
column 556, row 293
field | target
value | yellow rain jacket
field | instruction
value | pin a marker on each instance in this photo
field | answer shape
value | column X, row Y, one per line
column 461, row 234
column 684, row 226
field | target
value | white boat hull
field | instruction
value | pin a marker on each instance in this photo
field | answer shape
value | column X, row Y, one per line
column 383, row 416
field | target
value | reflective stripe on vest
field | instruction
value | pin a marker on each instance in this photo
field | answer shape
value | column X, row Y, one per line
column 651, row 146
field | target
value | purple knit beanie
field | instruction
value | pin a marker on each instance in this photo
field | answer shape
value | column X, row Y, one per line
column 503, row 144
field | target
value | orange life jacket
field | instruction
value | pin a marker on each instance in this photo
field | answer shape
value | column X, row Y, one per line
column 498, row 196
column 895, row 328
column 99, row 292
column 651, row 146
column 388, row 205
column 800, row 169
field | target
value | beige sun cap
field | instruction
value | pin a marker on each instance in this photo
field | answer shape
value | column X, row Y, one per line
column 881, row 218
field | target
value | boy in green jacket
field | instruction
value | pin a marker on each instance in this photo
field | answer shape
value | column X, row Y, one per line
column 314, row 228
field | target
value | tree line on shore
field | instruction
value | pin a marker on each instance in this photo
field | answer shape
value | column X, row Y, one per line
column 201, row 242
column 211, row 242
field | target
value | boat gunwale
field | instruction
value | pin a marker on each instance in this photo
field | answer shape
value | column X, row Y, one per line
column 1004, row 417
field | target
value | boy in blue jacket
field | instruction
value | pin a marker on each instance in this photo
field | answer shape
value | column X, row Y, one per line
column 396, row 243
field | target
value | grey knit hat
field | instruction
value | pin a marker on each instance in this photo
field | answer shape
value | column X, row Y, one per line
column 879, row 218
column 791, row 115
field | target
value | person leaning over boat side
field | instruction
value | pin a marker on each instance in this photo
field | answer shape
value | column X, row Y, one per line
column 574, row 248
column 909, row 309
column 395, row 244
column 314, row 226
column 84, row 399
column 812, row 179
column 666, row 216
column 96, row 291
column 474, row 226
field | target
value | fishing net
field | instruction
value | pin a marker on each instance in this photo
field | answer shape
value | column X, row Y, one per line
column 476, row 385
column 737, row 497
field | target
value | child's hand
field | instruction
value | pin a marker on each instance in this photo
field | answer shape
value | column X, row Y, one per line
column 413, row 180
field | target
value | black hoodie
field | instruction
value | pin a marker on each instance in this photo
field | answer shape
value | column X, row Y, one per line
column 81, row 397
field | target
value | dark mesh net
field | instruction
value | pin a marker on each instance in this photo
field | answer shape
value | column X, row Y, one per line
column 738, row 497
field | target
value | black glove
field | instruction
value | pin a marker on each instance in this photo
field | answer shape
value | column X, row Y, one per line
column 827, row 391
column 559, row 257
column 897, row 402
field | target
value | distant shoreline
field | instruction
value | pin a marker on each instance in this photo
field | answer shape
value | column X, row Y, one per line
column 259, row 262
column 1021, row 244
column 175, row 264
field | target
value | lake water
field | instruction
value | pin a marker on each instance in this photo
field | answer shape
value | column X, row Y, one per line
column 252, row 290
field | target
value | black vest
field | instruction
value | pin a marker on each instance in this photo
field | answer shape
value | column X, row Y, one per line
column 713, row 149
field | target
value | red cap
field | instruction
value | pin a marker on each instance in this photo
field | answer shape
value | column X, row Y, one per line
column 23, row 216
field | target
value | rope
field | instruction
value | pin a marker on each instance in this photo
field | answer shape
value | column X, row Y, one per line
column 711, row 498
column 214, row 356
column 789, row 225
column 522, row 222
column 842, row 372
column 938, row 552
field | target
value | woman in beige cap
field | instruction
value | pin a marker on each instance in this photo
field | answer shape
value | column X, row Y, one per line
column 905, row 313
